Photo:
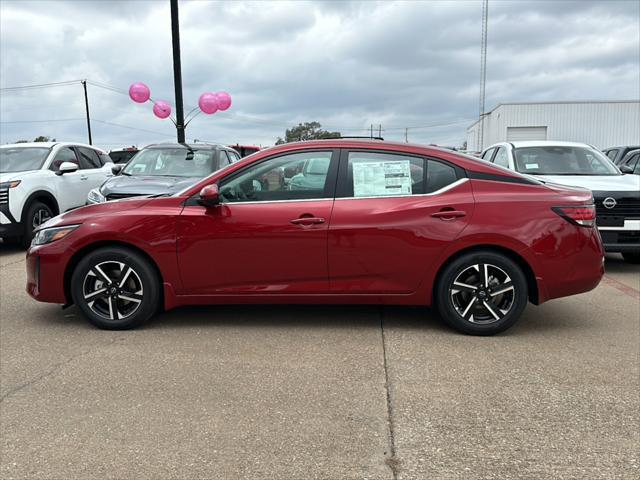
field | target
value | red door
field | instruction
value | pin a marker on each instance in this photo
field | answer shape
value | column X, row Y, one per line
column 269, row 234
column 383, row 241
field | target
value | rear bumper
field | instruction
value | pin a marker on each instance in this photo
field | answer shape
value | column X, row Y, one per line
column 574, row 265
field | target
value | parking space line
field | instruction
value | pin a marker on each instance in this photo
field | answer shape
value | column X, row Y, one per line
column 626, row 289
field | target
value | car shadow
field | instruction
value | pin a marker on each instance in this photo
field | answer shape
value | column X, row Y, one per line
column 407, row 318
column 614, row 263
column 10, row 248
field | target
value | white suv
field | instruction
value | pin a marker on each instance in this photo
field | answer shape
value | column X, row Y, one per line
column 41, row 180
column 616, row 195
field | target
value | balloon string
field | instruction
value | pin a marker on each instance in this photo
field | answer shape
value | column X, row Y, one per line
column 189, row 121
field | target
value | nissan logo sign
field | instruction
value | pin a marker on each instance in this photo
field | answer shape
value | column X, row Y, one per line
column 609, row 202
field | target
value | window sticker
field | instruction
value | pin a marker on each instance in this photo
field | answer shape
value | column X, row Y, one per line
column 373, row 179
column 531, row 166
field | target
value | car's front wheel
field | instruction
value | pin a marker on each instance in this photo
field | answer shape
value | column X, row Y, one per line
column 116, row 288
column 481, row 293
column 34, row 216
column 631, row 257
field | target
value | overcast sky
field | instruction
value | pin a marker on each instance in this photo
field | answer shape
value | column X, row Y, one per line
column 345, row 64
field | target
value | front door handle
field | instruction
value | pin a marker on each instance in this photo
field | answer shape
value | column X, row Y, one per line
column 449, row 214
column 306, row 221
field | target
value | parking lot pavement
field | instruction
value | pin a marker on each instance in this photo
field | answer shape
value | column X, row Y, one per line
column 315, row 392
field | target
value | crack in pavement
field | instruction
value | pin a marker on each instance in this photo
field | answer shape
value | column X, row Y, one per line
column 53, row 370
column 391, row 460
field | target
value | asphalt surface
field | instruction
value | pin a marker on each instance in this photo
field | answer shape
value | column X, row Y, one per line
column 312, row 392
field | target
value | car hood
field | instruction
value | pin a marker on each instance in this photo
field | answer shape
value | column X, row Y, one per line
column 83, row 214
column 10, row 176
column 610, row 183
column 145, row 185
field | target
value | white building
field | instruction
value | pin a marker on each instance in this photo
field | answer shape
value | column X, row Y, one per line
column 601, row 124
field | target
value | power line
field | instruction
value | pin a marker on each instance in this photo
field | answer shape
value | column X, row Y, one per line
column 129, row 127
column 43, row 121
column 40, row 85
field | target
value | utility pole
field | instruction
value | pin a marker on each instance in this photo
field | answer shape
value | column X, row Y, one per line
column 372, row 130
column 379, row 130
column 177, row 70
column 483, row 73
column 86, row 106
column 406, row 135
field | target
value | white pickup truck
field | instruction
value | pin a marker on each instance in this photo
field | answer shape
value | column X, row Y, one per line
column 616, row 195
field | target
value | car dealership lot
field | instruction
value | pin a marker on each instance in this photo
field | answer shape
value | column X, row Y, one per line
column 321, row 392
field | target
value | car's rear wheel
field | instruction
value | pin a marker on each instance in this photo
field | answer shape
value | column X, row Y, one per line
column 116, row 288
column 35, row 215
column 631, row 257
column 481, row 293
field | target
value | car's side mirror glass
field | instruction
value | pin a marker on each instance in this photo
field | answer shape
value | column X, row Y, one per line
column 67, row 167
column 626, row 169
column 209, row 196
column 117, row 168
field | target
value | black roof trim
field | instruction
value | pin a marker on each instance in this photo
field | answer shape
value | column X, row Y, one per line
column 500, row 178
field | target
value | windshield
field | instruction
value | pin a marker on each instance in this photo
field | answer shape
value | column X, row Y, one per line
column 173, row 162
column 555, row 160
column 14, row 159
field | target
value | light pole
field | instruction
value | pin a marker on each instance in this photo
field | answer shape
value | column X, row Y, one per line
column 177, row 70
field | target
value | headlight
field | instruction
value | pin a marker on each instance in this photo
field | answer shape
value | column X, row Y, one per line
column 8, row 185
column 95, row 196
column 48, row 235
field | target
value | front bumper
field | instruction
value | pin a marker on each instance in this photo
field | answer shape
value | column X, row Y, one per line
column 621, row 239
column 46, row 265
column 8, row 230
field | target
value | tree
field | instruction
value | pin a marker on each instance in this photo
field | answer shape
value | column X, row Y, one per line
column 42, row 138
column 306, row 131
column 22, row 141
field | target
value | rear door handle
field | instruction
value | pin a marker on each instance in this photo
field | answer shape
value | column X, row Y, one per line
column 449, row 214
column 305, row 221
column 84, row 177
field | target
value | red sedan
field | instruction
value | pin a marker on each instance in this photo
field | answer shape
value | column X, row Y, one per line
column 330, row 221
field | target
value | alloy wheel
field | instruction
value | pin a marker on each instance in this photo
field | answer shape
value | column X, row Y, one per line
column 482, row 293
column 39, row 217
column 113, row 290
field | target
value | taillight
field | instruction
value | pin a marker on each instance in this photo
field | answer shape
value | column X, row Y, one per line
column 583, row 215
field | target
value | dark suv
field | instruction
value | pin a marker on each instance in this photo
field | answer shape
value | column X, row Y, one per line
column 617, row 154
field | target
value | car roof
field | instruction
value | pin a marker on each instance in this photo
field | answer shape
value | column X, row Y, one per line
column 192, row 146
column 632, row 147
column 50, row 145
column 547, row 143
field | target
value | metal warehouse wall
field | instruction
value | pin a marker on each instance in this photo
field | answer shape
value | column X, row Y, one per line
column 602, row 124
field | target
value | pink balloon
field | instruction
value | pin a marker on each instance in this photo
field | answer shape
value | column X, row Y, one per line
column 139, row 92
column 161, row 109
column 224, row 100
column 208, row 103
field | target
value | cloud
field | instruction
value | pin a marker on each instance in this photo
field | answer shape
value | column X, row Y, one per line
column 345, row 64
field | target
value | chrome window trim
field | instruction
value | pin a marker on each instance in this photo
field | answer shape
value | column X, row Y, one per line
column 437, row 192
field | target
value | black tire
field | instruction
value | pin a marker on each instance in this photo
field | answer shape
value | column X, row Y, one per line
column 631, row 257
column 36, row 214
column 462, row 305
column 125, row 302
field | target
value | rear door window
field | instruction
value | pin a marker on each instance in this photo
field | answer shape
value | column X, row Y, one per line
column 488, row 154
column 88, row 158
column 375, row 174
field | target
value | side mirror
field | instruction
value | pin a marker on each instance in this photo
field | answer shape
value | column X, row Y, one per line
column 626, row 169
column 67, row 167
column 209, row 196
column 117, row 168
